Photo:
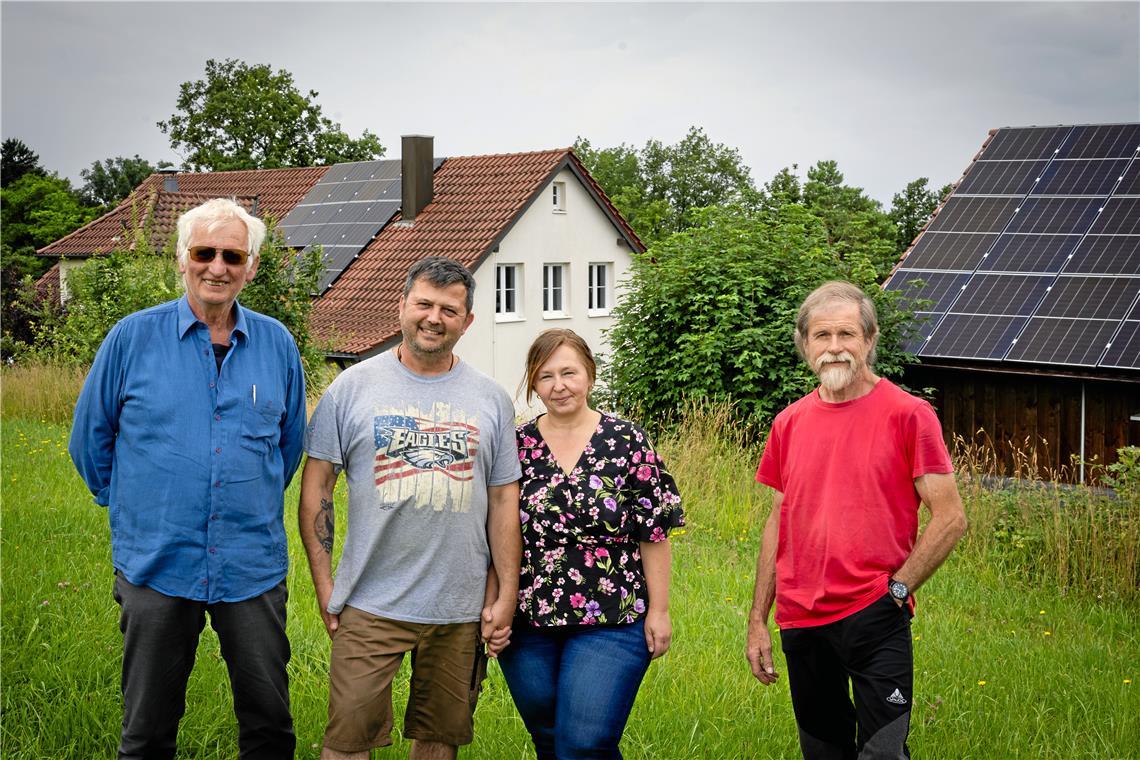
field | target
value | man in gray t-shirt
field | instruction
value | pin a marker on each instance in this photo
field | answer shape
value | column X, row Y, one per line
column 428, row 446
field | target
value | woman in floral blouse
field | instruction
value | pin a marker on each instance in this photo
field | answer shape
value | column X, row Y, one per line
column 597, row 505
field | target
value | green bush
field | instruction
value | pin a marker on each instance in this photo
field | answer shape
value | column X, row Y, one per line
column 709, row 313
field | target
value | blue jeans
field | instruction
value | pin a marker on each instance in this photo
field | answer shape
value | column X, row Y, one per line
column 575, row 686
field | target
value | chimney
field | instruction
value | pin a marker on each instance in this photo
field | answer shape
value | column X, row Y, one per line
column 169, row 179
column 416, row 164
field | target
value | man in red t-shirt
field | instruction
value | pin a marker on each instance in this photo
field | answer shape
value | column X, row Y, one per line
column 850, row 463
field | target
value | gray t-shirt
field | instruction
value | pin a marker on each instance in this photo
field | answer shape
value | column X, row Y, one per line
column 419, row 453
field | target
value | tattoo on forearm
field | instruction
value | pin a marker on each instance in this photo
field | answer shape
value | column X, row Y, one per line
column 325, row 525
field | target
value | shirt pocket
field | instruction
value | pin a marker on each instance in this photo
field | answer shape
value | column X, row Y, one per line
column 261, row 427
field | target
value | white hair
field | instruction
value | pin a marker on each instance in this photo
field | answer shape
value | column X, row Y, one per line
column 213, row 213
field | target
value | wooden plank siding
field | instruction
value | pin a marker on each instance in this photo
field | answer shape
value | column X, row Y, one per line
column 1033, row 421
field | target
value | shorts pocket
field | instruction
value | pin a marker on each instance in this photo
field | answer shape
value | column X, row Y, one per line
column 479, row 668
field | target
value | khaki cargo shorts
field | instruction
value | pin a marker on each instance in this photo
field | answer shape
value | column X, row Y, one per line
column 448, row 668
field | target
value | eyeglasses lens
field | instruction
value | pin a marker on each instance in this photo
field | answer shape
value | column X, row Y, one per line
column 204, row 255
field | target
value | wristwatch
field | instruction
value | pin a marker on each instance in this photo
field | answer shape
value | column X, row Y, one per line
column 898, row 589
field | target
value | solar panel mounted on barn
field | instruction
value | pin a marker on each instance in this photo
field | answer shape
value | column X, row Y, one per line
column 350, row 204
column 1035, row 256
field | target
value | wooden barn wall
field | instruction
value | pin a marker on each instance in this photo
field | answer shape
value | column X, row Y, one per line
column 1033, row 413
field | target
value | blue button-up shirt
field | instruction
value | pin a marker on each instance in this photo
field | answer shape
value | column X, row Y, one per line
column 192, row 461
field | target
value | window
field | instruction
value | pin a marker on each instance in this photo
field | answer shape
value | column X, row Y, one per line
column 507, row 277
column 553, row 289
column 559, row 196
column 598, row 289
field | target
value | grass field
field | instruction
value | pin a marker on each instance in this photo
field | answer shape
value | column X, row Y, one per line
column 1017, row 656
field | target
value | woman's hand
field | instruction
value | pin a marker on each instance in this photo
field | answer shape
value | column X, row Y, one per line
column 658, row 632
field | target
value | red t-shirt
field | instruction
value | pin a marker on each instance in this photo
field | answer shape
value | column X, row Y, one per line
column 849, row 518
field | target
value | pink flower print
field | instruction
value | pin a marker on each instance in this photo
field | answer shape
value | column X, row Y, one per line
column 606, row 585
column 589, row 557
column 644, row 472
column 650, row 457
column 535, row 454
column 601, row 553
column 595, row 482
column 529, row 442
column 657, row 534
column 556, row 593
column 636, row 457
column 577, row 600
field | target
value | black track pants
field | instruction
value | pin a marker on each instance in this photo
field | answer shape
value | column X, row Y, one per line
column 867, row 655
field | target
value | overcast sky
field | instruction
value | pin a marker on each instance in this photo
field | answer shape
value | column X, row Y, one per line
column 892, row 91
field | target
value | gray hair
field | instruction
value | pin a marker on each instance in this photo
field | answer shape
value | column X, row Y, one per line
column 842, row 292
column 215, row 212
column 441, row 272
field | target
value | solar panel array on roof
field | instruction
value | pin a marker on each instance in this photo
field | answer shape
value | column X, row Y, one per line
column 1035, row 256
column 344, row 211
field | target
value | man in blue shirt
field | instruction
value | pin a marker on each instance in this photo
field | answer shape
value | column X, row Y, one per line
column 189, row 428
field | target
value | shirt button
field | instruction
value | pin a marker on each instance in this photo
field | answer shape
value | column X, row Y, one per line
column 217, row 484
column 205, row 583
column 218, row 450
column 217, row 417
column 212, row 550
column 214, row 516
column 211, row 385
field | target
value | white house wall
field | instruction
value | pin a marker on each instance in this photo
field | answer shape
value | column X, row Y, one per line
column 578, row 236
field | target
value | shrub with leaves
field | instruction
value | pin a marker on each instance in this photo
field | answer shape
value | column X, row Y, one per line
column 709, row 313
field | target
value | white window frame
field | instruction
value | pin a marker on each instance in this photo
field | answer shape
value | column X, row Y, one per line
column 558, row 195
column 599, row 288
column 555, row 290
column 508, row 295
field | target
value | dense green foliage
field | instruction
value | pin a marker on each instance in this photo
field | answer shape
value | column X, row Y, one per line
column 243, row 116
column 911, row 209
column 660, row 188
column 709, row 312
column 111, row 180
column 1008, row 665
column 16, row 160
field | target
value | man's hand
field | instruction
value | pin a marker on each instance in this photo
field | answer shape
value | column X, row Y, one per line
column 658, row 632
column 495, row 626
column 759, row 651
column 331, row 621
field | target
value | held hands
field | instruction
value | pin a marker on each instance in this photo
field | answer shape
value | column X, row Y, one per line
column 331, row 621
column 758, row 650
column 658, row 632
column 495, row 626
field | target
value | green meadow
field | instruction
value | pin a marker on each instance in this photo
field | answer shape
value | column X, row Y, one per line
column 1026, row 641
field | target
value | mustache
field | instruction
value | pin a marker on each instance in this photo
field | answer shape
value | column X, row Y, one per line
column 827, row 358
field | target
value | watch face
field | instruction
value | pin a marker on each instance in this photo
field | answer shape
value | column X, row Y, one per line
column 899, row 590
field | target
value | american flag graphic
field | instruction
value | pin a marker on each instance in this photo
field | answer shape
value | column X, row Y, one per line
column 407, row 446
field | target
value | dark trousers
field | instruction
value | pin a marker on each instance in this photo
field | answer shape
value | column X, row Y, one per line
column 867, row 655
column 160, row 639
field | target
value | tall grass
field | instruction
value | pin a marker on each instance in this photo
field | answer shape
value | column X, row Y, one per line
column 1026, row 640
column 40, row 391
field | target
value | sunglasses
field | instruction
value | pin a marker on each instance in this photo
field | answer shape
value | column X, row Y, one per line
column 204, row 254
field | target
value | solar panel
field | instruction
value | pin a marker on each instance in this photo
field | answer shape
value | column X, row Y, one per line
column 1063, row 341
column 346, row 209
column 1125, row 349
column 1095, row 177
column 1030, row 253
column 1001, row 178
column 949, row 250
column 1035, row 256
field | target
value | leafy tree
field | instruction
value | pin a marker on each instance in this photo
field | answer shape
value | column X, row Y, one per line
column 109, row 181
column 16, row 160
column 912, row 208
column 709, row 313
column 245, row 116
column 660, row 188
column 35, row 210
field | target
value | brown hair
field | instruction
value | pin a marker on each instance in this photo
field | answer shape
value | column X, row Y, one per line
column 544, row 347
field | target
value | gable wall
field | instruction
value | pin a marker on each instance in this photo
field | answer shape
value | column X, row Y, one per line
column 583, row 234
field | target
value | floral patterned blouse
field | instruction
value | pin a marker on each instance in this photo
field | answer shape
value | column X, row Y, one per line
column 581, row 563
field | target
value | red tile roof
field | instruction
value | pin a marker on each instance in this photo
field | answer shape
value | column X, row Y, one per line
column 272, row 192
column 477, row 199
